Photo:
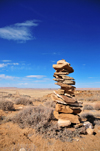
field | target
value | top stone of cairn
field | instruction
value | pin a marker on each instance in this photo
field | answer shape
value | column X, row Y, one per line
column 62, row 64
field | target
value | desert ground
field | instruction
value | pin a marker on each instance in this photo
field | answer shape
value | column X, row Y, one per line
column 21, row 131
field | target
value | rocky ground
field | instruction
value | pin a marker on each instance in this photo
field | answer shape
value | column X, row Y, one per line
column 27, row 123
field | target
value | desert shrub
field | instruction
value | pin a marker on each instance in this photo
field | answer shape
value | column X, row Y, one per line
column 42, row 120
column 23, row 101
column 97, row 122
column 50, row 104
column 33, row 116
column 7, row 105
column 88, row 107
column 97, row 106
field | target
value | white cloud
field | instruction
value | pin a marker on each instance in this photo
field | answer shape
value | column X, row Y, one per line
column 6, row 60
column 2, row 65
column 15, row 63
column 6, row 64
column 36, row 76
column 18, row 31
column 3, row 76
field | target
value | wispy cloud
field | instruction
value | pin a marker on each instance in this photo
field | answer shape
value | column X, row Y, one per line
column 18, row 31
column 6, row 64
column 3, row 76
column 6, row 60
column 2, row 65
column 36, row 76
column 53, row 53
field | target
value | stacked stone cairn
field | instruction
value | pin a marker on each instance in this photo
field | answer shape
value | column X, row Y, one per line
column 67, row 107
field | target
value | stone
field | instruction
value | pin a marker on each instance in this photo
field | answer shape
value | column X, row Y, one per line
column 71, row 117
column 71, row 89
column 60, row 91
column 76, row 111
column 64, row 65
column 70, row 82
column 58, row 80
column 64, row 123
column 89, row 131
column 88, row 125
column 65, row 85
column 78, row 125
column 68, row 95
column 67, row 99
column 22, row 149
column 61, row 73
column 63, row 108
column 56, row 99
column 62, row 61
column 66, row 77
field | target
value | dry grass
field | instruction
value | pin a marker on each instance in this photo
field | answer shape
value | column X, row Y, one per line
column 88, row 107
column 50, row 104
column 23, row 101
column 6, row 105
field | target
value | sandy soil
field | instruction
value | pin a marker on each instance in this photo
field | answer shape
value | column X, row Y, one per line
column 12, row 137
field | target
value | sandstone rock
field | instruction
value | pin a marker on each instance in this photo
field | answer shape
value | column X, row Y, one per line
column 65, row 85
column 70, row 82
column 89, row 131
column 66, row 77
column 78, row 125
column 76, row 111
column 58, row 80
column 22, row 149
column 63, row 108
column 61, row 73
column 71, row 117
column 67, row 99
column 62, row 61
column 64, row 123
column 64, row 65
column 60, row 91
column 56, row 99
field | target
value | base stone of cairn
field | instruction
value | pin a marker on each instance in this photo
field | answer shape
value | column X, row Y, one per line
column 67, row 107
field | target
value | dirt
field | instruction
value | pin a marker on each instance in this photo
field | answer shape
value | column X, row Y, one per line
column 12, row 137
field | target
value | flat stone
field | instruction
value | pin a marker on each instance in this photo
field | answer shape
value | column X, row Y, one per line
column 64, row 85
column 56, row 99
column 67, row 99
column 76, row 111
column 78, row 125
column 66, row 77
column 64, row 123
column 64, row 65
column 89, row 131
column 71, row 82
column 61, row 73
column 58, row 80
column 63, row 108
column 71, row 89
column 71, row 117
column 60, row 91
column 62, row 61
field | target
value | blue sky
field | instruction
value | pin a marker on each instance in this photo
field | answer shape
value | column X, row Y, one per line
column 35, row 34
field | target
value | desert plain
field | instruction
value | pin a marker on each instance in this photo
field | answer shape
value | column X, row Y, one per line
column 19, row 132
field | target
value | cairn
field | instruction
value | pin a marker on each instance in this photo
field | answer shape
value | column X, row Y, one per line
column 67, row 107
